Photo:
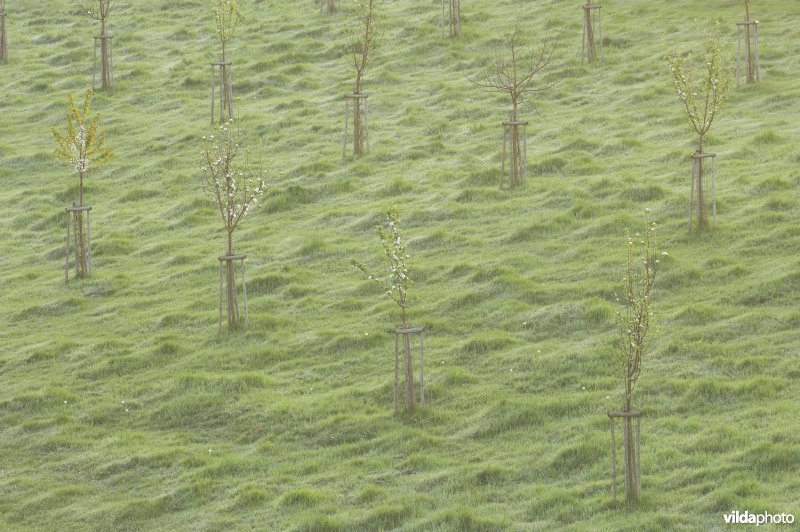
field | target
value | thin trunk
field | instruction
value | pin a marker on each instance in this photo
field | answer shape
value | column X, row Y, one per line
column 631, row 483
column 410, row 396
column 233, row 304
column 701, row 202
column 358, row 145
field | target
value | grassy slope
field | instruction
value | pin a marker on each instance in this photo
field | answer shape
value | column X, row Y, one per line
column 121, row 408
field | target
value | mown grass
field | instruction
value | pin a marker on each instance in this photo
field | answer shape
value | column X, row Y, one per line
column 122, row 409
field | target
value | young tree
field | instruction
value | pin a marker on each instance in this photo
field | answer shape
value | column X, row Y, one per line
column 100, row 10
column 395, row 283
column 81, row 144
column 701, row 104
column 364, row 36
column 227, row 17
column 515, row 72
column 635, row 333
column 234, row 187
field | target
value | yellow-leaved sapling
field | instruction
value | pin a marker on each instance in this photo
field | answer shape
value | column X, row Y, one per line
column 81, row 144
column 701, row 103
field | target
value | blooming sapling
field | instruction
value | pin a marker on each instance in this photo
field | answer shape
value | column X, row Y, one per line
column 81, row 144
column 634, row 319
column 234, row 188
column 395, row 283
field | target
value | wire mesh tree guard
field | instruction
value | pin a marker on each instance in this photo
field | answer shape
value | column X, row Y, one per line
column 104, row 42
column 225, row 90
column 699, row 168
column 452, row 16
column 328, row 6
column 631, row 445
column 83, row 248
column 408, row 390
column 360, row 122
column 748, row 31
column 592, row 32
column 515, row 143
column 227, row 291
column 3, row 38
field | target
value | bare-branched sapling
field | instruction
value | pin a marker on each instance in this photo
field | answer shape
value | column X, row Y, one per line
column 100, row 10
column 227, row 17
column 515, row 72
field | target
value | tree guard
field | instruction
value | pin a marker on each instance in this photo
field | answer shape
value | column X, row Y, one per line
column 517, row 146
column 408, row 392
column 749, row 31
column 592, row 32
column 226, row 271
column 360, row 126
column 225, row 90
column 453, row 18
column 631, row 454
column 698, row 171
column 83, row 248
column 3, row 39
column 106, row 62
column 329, row 6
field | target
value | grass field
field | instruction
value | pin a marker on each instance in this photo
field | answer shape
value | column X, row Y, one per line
column 121, row 408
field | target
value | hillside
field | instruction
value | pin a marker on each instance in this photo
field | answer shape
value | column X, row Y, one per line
column 121, row 407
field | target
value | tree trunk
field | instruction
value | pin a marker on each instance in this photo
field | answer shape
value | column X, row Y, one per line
column 358, row 143
column 410, row 396
column 233, row 304
column 631, row 462
column 105, row 62
column 80, row 245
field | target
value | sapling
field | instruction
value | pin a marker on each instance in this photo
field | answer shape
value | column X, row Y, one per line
column 227, row 17
column 635, row 332
column 100, row 10
column 81, row 144
column 395, row 283
column 328, row 5
column 364, row 34
column 701, row 104
column 515, row 72
column 234, row 187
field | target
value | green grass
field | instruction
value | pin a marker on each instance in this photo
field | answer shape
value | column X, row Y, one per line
column 121, row 408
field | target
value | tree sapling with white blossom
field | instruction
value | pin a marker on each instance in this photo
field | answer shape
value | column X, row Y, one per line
column 234, row 187
column 395, row 283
